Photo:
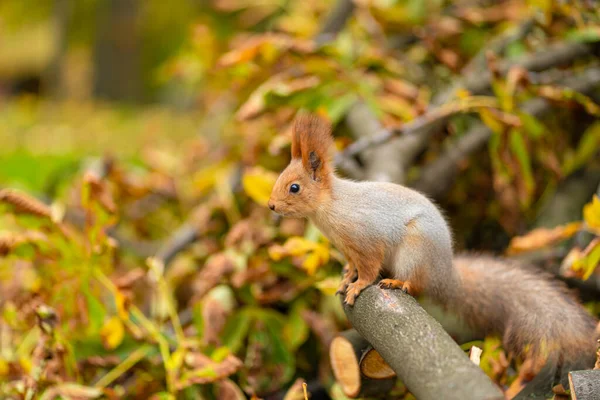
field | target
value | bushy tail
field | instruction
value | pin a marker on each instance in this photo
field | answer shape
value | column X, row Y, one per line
column 531, row 311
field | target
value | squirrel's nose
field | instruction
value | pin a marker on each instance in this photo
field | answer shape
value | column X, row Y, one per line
column 272, row 206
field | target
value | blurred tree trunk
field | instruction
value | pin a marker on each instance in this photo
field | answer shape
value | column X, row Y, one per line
column 53, row 79
column 117, row 74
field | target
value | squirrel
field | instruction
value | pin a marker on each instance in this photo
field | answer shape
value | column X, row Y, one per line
column 388, row 229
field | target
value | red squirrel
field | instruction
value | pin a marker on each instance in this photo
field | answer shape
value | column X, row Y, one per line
column 384, row 228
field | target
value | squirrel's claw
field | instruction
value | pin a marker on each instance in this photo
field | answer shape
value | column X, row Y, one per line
column 405, row 286
column 349, row 276
column 354, row 290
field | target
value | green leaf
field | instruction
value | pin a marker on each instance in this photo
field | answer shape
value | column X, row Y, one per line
column 587, row 35
column 295, row 330
column 96, row 310
column 533, row 126
column 236, row 330
column 592, row 261
column 586, row 149
column 519, row 149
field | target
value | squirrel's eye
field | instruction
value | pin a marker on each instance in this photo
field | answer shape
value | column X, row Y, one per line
column 295, row 188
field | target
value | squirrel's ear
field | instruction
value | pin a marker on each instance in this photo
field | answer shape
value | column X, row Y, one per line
column 296, row 152
column 314, row 136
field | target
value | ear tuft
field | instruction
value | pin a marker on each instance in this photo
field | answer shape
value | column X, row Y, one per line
column 313, row 135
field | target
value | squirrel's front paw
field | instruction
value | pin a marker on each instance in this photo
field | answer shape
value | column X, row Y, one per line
column 354, row 290
column 349, row 276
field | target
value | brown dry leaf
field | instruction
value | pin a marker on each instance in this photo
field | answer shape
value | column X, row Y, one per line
column 401, row 88
column 251, row 47
column 257, row 271
column 281, row 291
column 210, row 371
column 228, row 390
column 253, row 230
column 215, row 268
column 23, row 203
column 100, row 192
column 72, row 391
column 542, row 237
column 283, row 85
column 102, row 361
column 11, row 241
column 215, row 316
column 127, row 280
column 197, row 360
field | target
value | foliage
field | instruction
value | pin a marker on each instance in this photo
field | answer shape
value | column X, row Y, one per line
column 93, row 305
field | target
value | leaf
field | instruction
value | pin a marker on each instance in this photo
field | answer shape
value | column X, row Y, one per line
column 532, row 125
column 586, row 149
column 542, row 237
column 96, row 311
column 280, row 85
column 112, row 333
column 519, row 149
column 4, row 367
column 316, row 254
column 71, row 390
column 258, row 184
column 587, row 261
column 329, row 286
column 587, row 35
column 316, row 259
column 295, row 330
column 236, row 330
column 491, row 121
column 591, row 213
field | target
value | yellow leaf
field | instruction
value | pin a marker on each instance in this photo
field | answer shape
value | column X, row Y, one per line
column 588, row 261
column 542, row 237
column 277, row 252
column 491, row 121
column 591, row 213
column 120, row 303
column 311, row 263
column 316, row 259
column 4, row 367
column 112, row 333
column 329, row 285
column 297, row 246
column 258, row 184
column 463, row 94
column 205, row 179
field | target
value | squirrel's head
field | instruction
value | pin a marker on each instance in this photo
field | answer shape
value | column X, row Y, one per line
column 306, row 182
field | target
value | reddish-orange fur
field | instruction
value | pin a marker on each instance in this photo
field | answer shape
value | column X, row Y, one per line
column 312, row 134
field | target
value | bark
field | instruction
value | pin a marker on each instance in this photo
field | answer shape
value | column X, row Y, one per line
column 54, row 76
column 335, row 21
column 423, row 355
column 346, row 353
column 585, row 385
column 117, row 64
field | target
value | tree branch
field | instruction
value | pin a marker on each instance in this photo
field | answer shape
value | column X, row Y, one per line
column 413, row 137
column 335, row 22
column 422, row 354
column 437, row 178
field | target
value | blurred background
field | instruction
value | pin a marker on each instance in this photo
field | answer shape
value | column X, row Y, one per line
column 141, row 139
